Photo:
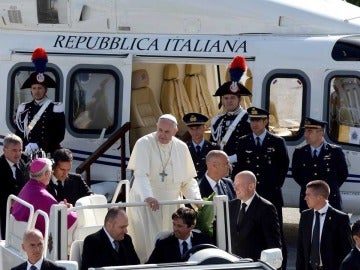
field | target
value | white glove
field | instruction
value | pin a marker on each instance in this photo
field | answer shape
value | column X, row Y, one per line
column 31, row 147
column 233, row 158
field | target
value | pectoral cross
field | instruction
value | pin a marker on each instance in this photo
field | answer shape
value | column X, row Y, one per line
column 163, row 174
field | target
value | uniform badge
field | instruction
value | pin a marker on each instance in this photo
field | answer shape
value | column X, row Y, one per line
column 40, row 77
column 234, row 87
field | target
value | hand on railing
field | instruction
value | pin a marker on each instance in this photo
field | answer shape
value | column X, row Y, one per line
column 64, row 202
column 153, row 203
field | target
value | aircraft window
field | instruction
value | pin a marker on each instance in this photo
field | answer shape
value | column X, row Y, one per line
column 347, row 49
column 344, row 109
column 285, row 105
column 93, row 98
column 18, row 96
column 52, row 11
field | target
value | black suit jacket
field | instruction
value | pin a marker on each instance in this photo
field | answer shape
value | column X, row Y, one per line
column 9, row 185
column 167, row 250
column 46, row 265
column 330, row 166
column 226, row 184
column 270, row 164
column 259, row 230
column 351, row 261
column 200, row 159
column 74, row 188
column 335, row 242
column 98, row 251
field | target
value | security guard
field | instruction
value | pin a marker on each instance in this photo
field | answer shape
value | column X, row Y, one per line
column 40, row 123
column 265, row 154
column 198, row 146
column 319, row 160
column 228, row 126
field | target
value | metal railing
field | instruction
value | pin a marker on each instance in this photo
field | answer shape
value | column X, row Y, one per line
column 119, row 134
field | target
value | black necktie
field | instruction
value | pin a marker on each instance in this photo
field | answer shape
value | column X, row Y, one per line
column 315, row 154
column 241, row 215
column 258, row 144
column 198, row 149
column 315, row 243
column 185, row 247
column 219, row 189
column 33, row 267
column 18, row 174
column 60, row 190
column 116, row 246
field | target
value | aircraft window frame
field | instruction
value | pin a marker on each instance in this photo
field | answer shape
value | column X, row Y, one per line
column 299, row 75
column 118, row 97
column 345, row 133
column 56, row 94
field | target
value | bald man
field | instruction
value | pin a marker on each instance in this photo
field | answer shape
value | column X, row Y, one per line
column 254, row 223
column 33, row 245
column 110, row 246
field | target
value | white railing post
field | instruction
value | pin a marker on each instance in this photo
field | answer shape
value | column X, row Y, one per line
column 221, row 212
column 58, row 236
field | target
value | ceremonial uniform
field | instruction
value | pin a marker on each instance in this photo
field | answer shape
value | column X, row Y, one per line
column 198, row 146
column 228, row 127
column 269, row 163
column 327, row 164
column 199, row 159
column 49, row 130
column 220, row 125
column 40, row 123
column 330, row 166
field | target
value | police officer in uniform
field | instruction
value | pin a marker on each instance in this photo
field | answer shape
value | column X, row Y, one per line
column 40, row 123
column 319, row 160
column 228, row 126
column 265, row 154
column 198, row 146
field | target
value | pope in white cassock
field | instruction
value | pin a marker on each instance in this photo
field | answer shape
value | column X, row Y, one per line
column 163, row 170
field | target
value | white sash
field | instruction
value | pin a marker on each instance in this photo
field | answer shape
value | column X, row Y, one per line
column 38, row 116
column 231, row 129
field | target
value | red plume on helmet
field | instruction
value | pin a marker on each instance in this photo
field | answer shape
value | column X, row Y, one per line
column 40, row 59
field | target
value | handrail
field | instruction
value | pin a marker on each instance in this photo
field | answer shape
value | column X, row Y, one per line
column 33, row 215
column 119, row 188
column 119, row 134
column 37, row 213
column 9, row 204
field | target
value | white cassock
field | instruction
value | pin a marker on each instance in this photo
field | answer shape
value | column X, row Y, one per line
column 148, row 160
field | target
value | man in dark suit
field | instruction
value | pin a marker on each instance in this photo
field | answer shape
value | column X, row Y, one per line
column 110, row 246
column 352, row 260
column 183, row 238
column 198, row 146
column 218, row 167
column 324, row 237
column 63, row 184
column 13, row 173
column 33, row 245
column 254, row 223
column 319, row 160
column 265, row 154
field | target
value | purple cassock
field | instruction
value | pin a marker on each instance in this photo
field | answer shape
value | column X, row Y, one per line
column 36, row 194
